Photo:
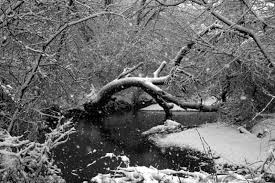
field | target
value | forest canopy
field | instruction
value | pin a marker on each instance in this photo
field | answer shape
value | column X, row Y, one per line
column 56, row 53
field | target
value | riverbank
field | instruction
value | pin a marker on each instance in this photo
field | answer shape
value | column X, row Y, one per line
column 223, row 141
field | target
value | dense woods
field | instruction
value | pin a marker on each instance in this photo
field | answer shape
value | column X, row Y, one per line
column 59, row 55
column 58, row 52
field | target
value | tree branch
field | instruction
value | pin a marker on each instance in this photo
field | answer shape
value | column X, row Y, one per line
column 48, row 42
column 149, row 85
column 161, row 67
column 186, row 49
column 239, row 28
column 126, row 72
column 35, row 66
column 9, row 10
column 104, row 95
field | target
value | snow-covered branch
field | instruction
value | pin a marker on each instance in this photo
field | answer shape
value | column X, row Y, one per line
column 24, row 161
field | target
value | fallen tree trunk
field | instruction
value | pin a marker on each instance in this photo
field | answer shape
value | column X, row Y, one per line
column 105, row 94
column 149, row 85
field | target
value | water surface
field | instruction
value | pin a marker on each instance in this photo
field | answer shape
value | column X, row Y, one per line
column 79, row 157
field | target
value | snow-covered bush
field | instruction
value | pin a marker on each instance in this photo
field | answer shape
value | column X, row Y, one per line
column 27, row 161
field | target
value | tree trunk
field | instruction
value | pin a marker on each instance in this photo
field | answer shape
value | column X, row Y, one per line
column 149, row 85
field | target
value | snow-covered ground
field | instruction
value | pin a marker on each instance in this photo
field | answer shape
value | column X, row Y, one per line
column 223, row 140
column 234, row 146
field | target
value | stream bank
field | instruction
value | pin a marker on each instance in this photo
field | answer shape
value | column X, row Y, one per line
column 226, row 142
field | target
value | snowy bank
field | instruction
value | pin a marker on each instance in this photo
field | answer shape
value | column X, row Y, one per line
column 222, row 140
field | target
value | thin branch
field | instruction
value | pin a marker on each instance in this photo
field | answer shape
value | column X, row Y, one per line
column 186, row 49
column 255, row 14
column 183, row 52
column 271, row 100
column 48, row 42
column 39, row 58
column 9, row 10
column 239, row 28
column 161, row 67
column 126, row 72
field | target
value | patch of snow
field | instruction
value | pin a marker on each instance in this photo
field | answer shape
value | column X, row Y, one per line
column 169, row 126
column 223, row 140
column 110, row 155
column 153, row 175
column 125, row 160
column 156, row 107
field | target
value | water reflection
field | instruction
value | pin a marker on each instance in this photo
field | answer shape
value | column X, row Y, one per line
column 120, row 134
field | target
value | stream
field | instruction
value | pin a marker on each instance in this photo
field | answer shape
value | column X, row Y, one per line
column 80, row 157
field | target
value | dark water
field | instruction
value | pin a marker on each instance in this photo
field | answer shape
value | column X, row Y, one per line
column 121, row 134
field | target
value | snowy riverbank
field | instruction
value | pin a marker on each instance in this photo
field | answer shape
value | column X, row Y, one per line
column 224, row 141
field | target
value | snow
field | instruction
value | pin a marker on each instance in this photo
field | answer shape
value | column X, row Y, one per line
column 156, row 107
column 233, row 144
column 169, row 126
column 153, row 175
column 110, row 155
column 223, row 140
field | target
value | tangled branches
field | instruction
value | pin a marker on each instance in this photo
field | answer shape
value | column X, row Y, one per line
column 151, row 174
column 26, row 161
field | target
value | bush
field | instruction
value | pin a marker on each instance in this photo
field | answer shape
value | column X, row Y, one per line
column 27, row 161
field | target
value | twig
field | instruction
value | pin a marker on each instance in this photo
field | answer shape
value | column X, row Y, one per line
column 241, row 29
column 259, row 113
column 124, row 73
column 35, row 66
column 161, row 67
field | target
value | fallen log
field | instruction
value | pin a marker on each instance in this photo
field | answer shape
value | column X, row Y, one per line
column 148, row 85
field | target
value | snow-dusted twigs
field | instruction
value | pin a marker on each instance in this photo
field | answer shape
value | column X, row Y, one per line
column 270, row 101
column 161, row 67
column 24, row 161
column 128, row 71
column 40, row 56
column 150, row 84
column 240, row 29
column 151, row 174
